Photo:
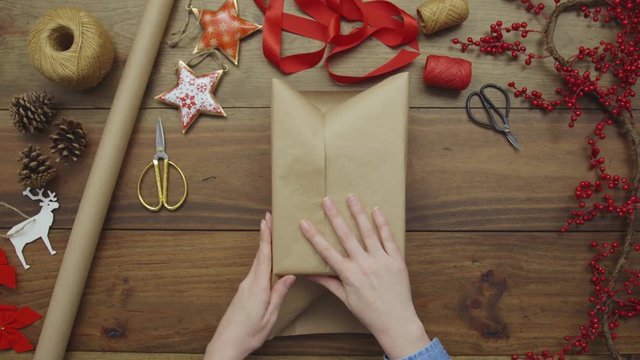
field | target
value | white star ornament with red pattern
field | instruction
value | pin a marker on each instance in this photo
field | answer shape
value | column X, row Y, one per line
column 193, row 94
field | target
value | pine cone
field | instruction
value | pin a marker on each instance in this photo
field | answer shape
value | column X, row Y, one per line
column 36, row 168
column 31, row 112
column 69, row 140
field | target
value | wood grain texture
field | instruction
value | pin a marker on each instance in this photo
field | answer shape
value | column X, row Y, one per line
column 249, row 84
column 164, row 291
column 83, row 355
column 159, row 283
column 459, row 176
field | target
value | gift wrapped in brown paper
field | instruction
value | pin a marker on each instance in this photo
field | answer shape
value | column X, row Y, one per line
column 332, row 144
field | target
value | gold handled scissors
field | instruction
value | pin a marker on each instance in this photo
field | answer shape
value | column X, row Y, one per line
column 161, row 174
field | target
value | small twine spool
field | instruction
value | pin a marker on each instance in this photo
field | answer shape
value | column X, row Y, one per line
column 435, row 15
column 447, row 72
column 71, row 47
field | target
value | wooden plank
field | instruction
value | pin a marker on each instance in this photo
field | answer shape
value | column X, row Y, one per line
column 460, row 176
column 84, row 355
column 249, row 84
column 164, row 291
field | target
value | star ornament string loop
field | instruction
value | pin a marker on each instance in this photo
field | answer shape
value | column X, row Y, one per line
column 201, row 56
column 178, row 35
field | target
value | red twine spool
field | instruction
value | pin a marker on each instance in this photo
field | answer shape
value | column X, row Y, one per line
column 447, row 72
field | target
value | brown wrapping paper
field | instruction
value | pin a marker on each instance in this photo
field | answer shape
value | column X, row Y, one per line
column 332, row 144
column 101, row 182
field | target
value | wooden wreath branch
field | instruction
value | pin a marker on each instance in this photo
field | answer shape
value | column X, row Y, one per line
column 627, row 124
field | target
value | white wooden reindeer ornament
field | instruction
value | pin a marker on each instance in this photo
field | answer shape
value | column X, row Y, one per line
column 35, row 227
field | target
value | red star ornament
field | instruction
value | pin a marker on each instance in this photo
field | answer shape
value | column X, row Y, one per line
column 193, row 94
column 12, row 319
column 223, row 28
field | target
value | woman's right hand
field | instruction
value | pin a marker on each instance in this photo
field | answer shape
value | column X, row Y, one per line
column 372, row 281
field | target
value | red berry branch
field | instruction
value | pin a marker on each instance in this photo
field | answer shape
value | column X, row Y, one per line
column 616, row 287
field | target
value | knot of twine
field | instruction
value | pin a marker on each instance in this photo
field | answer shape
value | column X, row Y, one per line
column 447, row 72
column 71, row 47
column 435, row 15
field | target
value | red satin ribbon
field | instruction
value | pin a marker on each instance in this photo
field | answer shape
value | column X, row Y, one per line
column 380, row 19
column 12, row 319
column 7, row 272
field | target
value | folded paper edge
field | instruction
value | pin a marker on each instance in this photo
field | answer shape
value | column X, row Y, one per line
column 279, row 90
column 401, row 81
column 310, row 292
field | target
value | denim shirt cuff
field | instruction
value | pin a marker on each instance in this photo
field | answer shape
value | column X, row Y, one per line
column 433, row 351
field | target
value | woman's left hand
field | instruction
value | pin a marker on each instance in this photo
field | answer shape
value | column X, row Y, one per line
column 254, row 309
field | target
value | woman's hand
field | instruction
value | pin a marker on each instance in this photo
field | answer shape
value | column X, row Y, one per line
column 373, row 280
column 254, row 309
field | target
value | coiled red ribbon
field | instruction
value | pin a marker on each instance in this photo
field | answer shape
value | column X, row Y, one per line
column 381, row 19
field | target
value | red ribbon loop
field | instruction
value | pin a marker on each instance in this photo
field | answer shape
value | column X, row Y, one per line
column 380, row 19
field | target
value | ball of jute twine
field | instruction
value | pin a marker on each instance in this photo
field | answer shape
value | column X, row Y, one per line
column 71, row 47
column 435, row 15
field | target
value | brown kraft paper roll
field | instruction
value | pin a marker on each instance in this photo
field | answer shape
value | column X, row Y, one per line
column 102, row 179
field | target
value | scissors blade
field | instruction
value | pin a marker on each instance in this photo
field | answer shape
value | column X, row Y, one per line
column 513, row 140
column 159, row 137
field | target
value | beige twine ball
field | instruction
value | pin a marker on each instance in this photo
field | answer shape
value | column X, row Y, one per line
column 435, row 15
column 71, row 47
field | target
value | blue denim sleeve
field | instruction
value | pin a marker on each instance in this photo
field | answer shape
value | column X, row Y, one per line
column 433, row 351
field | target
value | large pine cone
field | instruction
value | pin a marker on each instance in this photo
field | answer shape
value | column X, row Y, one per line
column 31, row 112
column 36, row 169
column 69, row 140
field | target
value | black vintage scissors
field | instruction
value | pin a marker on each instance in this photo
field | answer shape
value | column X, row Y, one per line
column 492, row 110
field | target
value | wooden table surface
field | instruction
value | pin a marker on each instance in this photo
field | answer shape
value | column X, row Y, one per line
column 160, row 282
